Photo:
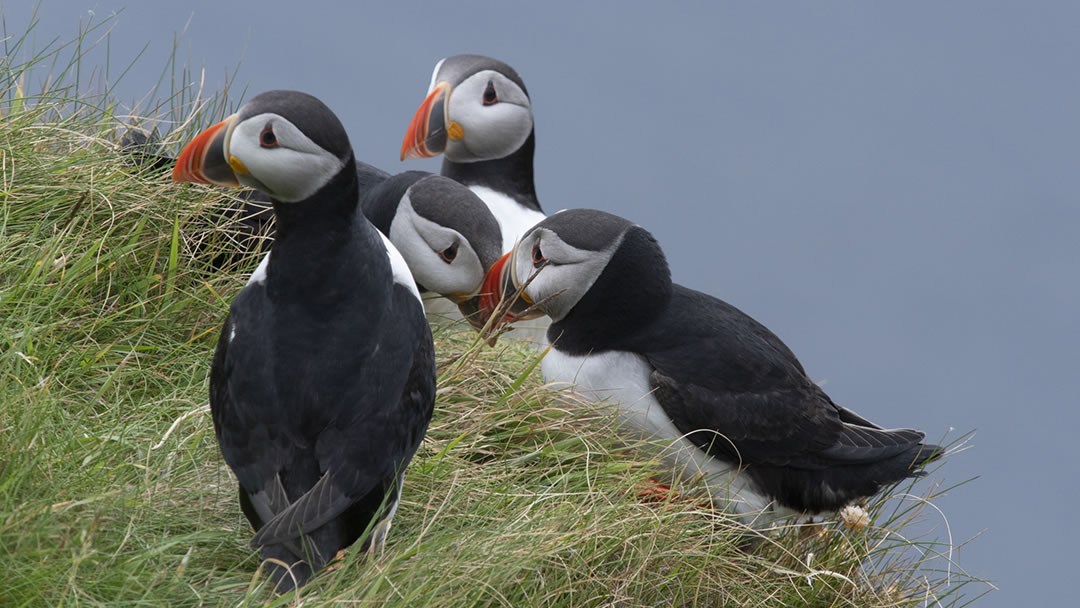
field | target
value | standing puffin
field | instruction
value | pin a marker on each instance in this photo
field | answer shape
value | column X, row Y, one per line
column 685, row 367
column 478, row 115
column 323, row 381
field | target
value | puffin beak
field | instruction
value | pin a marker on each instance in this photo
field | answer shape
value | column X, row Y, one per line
column 470, row 309
column 206, row 159
column 499, row 285
column 431, row 126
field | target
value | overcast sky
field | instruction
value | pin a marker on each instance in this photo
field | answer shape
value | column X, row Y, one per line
column 893, row 190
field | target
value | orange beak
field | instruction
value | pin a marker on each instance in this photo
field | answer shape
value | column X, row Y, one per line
column 427, row 132
column 491, row 293
column 498, row 286
column 205, row 160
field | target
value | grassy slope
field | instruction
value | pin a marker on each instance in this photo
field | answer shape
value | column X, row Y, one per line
column 112, row 490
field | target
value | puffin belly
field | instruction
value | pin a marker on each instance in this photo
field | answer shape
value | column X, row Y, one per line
column 622, row 379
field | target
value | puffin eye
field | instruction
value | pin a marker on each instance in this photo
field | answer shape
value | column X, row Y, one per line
column 267, row 139
column 538, row 258
column 449, row 254
column 490, row 97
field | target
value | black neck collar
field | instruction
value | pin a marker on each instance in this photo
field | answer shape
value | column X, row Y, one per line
column 630, row 294
column 332, row 207
column 511, row 175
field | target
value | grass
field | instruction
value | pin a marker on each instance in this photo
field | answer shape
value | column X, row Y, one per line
column 113, row 492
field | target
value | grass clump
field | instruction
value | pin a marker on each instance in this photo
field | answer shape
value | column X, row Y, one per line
column 113, row 492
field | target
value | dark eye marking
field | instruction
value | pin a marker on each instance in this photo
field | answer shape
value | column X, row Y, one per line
column 490, row 97
column 538, row 258
column 267, row 139
column 449, row 254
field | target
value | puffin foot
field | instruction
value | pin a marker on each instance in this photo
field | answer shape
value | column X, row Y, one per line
column 654, row 491
column 336, row 562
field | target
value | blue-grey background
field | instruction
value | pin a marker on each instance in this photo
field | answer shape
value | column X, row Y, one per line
column 894, row 190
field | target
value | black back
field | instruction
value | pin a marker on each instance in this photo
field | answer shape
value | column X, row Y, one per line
column 717, row 369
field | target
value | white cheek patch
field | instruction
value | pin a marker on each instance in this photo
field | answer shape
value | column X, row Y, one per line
column 293, row 170
column 569, row 275
column 420, row 241
column 492, row 131
column 400, row 269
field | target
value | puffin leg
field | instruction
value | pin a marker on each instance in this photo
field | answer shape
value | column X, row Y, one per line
column 378, row 538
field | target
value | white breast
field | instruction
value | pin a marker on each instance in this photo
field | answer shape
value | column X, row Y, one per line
column 402, row 275
column 622, row 379
column 530, row 330
column 259, row 276
column 514, row 220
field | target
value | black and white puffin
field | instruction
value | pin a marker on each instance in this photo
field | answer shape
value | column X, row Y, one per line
column 478, row 115
column 685, row 367
column 323, row 382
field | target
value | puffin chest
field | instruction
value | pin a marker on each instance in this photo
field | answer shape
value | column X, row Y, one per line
column 622, row 379
column 514, row 218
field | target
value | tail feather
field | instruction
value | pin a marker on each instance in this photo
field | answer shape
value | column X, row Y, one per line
column 831, row 488
column 928, row 452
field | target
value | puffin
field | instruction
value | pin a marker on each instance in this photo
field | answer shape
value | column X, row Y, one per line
column 724, row 395
column 477, row 114
column 323, row 381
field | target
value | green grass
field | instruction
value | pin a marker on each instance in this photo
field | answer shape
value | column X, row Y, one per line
column 113, row 492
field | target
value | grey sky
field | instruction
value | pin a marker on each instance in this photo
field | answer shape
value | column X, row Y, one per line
column 894, row 190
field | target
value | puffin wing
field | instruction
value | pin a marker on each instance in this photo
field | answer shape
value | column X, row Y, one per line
column 249, row 430
column 739, row 393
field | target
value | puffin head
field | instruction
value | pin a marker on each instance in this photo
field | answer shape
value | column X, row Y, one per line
column 450, row 240
column 476, row 109
column 446, row 235
column 287, row 144
column 585, row 263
